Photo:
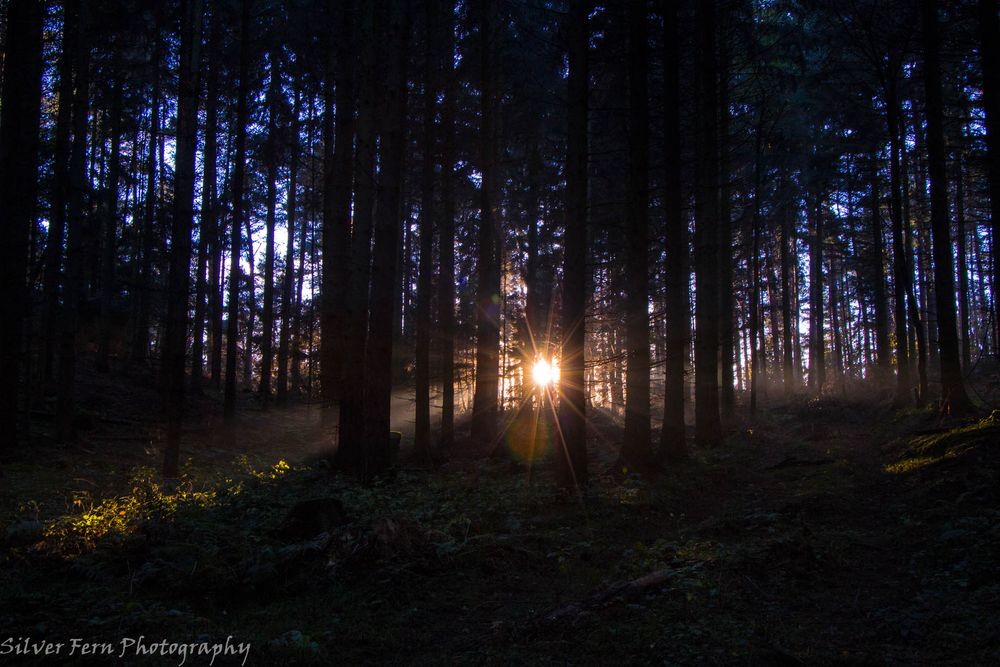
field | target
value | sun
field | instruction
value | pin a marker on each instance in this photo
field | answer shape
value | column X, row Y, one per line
column 544, row 373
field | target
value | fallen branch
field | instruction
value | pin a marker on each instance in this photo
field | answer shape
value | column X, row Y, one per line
column 572, row 612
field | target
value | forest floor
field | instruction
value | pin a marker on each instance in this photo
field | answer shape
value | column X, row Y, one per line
column 828, row 532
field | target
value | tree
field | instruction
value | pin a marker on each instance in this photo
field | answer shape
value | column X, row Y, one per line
column 572, row 462
column 338, row 160
column 636, row 441
column 673, row 447
column 422, row 435
column 19, row 123
column 175, row 344
column 953, row 395
column 392, row 133
column 488, row 298
column 352, row 403
column 989, row 56
column 707, row 425
column 287, row 306
column 238, row 214
column 446, row 232
column 75, row 231
column 271, row 159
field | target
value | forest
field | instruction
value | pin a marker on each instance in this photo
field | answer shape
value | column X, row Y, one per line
column 500, row 332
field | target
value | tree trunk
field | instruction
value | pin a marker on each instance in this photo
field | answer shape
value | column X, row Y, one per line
column 707, row 425
column 352, row 403
column 953, row 396
column 209, row 234
column 446, row 235
column 338, row 157
column 236, row 230
column 572, row 461
column 817, row 344
column 109, row 220
column 422, row 433
column 271, row 159
column 59, row 196
column 899, row 264
column 635, row 453
column 877, row 269
column 75, row 247
column 378, row 377
column 989, row 54
column 19, row 123
column 964, row 324
column 141, row 281
column 174, row 347
column 786, row 240
column 727, row 307
column 484, row 407
column 287, row 307
column 673, row 445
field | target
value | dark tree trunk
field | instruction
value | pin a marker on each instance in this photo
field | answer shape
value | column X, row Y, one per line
column 673, row 446
column 572, row 462
column 109, row 220
column 19, row 122
column 484, row 405
column 754, row 289
column 214, row 224
column 422, row 433
column 787, row 249
column 338, row 159
column 989, row 54
column 209, row 246
column 877, row 272
column 446, row 235
column 378, row 376
column 352, row 403
column 817, row 345
column 287, row 306
column 635, row 451
column 964, row 324
column 706, row 348
column 174, row 347
column 953, row 396
column 75, row 229
column 899, row 265
column 236, row 229
column 271, row 159
column 60, row 195
column 141, row 281
column 727, row 307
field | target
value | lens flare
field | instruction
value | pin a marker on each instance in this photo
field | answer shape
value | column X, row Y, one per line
column 544, row 373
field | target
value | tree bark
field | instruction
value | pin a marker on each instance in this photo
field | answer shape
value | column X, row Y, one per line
column 236, row 230
column 378, row 377
column 673, row 446
column 635, row 452
column 19, row 123
column 953, row 395
column 484, row 405
column 287, row 306
column 708, row 430
column 60, row 195
column 446, row 235
column 572, row 461
column 352, row 403
column 337, row 180
column 175, row 340
column 989, row 54
column 271, row 159
column 422, row 432
column 75, row 228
